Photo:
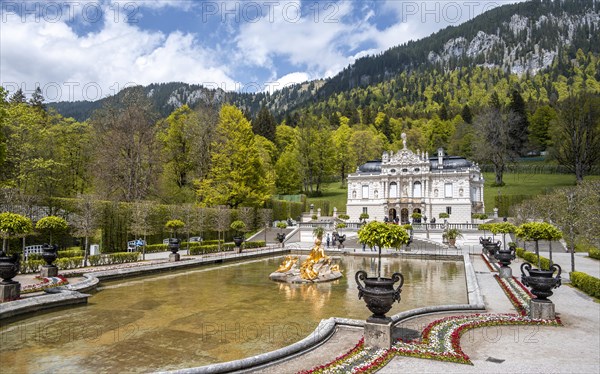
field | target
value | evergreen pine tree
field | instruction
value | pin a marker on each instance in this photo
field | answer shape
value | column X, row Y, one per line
column 466, row 114
column 264, row 124
column 519, row 130
column 37, row 99
column 17, row 97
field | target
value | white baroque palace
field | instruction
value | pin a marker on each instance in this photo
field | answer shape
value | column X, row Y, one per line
column 405, row 182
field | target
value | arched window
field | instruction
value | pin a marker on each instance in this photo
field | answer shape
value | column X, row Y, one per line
column 393, row 190
column 417, row 189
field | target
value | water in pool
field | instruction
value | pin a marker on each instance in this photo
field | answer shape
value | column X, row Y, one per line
column 213, row 314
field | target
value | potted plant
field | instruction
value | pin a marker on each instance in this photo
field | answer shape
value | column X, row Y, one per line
column 378, row 292
column 238, row 226
column 318, row 232
column 281, row 235
column 540, row 280
column 416, row 217
column 451, row 235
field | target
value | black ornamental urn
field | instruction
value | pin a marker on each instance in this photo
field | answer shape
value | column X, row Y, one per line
column 9, row 267
column 174, row 245
column 379, row 293
column 540, row 281
column 49, row 253
column 505, row 256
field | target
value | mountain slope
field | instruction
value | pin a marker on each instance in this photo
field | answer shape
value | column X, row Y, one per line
column 523, row 38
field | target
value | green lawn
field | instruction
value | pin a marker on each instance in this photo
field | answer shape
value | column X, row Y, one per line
column 525, row 184
column 516, row 184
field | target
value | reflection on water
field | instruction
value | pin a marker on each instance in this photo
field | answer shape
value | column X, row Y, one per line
column 198, row 317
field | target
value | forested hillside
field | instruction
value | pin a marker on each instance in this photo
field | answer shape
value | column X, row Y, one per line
column 518, row 80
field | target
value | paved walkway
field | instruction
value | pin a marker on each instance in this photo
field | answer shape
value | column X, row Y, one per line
column 572, row 348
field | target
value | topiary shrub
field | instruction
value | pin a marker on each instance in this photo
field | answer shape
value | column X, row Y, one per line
column 533, row 258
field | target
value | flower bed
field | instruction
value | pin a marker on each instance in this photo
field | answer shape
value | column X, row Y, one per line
column 48, row 282
column 440, row 340
column 492, row 267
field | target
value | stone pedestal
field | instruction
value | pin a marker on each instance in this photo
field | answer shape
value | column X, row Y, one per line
column 541, row 309
column 378, row 333
column 10, row 291
column 49, row 271
column 505, row 272
column 174, row 257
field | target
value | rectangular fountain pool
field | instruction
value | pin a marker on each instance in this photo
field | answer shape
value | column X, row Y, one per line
column 212, row 314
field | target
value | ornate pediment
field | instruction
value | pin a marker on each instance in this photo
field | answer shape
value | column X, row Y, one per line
column 405, row 157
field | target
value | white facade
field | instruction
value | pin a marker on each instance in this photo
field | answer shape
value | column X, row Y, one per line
column 405, row 182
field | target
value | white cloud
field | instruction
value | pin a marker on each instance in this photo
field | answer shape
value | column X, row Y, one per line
column 287, row 80
column 98, row 64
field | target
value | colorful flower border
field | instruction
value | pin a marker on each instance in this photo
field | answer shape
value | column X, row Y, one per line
column 492, row 268
column 440, row 340
column 47, row 282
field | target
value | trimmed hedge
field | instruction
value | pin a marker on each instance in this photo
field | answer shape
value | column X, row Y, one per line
column 531, row 257
column 70, row 253
column 153, row 248
column 256, row 244
column 31, row 265
column 586, row 283
column 114, row 258
column 69, row 263
column 212, row 248
column 594, row 253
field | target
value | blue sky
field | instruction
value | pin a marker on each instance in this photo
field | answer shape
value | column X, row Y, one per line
column 81, row 49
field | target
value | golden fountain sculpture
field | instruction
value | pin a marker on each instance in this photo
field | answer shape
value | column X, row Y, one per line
column 316, row 267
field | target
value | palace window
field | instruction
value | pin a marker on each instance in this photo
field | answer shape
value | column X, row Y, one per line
column 448, row 190
column 365, row 192
column 393, row 190
column 417, row 189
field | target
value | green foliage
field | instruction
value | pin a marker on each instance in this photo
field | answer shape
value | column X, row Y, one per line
column 383, row 235
column 444, row 215
column 452, row 234
column 281, row 225
column 587, row 283
column 238, row 226
column 505, row 202
column 534, row 231
column 594, row 253
column 237, row 175
column 12, row 224
column 363, row 216
column 32, row 265
column 502, row 228
column 416, row 215
column 154, row 248
column 70, row 253
column 479, row 216
column 533, row 258
column 318, row 232
column 343, row 216
column 52, row 225
column 174, row 225
column 69, row 262
column 114, row 258
column 340, row 226
column 285, row 209
column 212, row 248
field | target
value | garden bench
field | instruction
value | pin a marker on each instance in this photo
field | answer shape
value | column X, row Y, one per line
column 36, row 249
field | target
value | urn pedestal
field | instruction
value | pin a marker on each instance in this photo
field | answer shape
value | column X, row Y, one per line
column 9, row 267
column 504, row 257
column 174, row 245
column 49, row 255
column 379, row 295
column 238, row 241
column 541, row 283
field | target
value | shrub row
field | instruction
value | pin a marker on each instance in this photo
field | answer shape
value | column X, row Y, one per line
column 594, row 253
column 213, row 248
column 256, row 244
column 114, row 258
column 586, row 283
column 31, row 265
column 533, row 258
column 70, row 253
column 153, row 248
column 69, row 263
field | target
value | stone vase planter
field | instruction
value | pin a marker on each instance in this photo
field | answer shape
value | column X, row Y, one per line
column 540, row 281
column 238, row 240
column 505, row 256
column 342, row 239
column 379, row 293
column 174, row 245
column 280, row 237
column 49, row 253
column 491, row 249
column 9, row 267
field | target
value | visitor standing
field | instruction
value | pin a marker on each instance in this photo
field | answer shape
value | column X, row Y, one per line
column 328, row 240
